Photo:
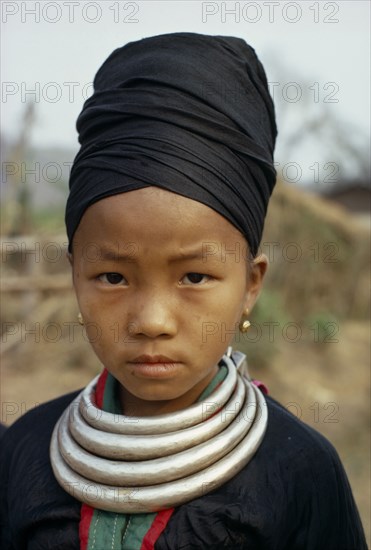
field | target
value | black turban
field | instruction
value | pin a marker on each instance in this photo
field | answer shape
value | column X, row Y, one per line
column 187, row 112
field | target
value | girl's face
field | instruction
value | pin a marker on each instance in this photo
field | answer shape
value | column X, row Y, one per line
column 156, row 273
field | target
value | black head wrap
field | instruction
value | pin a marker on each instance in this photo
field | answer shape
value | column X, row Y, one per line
column 187, row 112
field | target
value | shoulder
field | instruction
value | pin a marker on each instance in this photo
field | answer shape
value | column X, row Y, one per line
column 31, row 500
column 2, row 429
column 294, row 456
column 34, row 428
column 25, row 444
column 301, row 459
column 298, row 486
column 46, row 414
column 294, row 490
column 287, row 437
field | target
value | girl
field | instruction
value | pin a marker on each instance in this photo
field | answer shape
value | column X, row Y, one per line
column 172, row 446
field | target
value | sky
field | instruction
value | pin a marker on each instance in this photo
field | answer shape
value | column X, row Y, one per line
column 316, row 56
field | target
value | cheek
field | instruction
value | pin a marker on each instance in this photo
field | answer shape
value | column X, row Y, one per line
column 231, row 305
column 99, row 323
column 105, row 342
column 219, row 329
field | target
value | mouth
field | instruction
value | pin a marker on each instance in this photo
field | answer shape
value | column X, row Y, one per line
column 154, row 366
column 153, row 359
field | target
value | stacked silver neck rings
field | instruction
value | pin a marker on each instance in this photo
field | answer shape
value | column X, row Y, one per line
column 132, row 465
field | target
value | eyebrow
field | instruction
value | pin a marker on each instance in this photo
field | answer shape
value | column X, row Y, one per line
column 107, row 254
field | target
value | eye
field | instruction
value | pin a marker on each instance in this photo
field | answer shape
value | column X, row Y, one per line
column 196, row 278
column 111, row 278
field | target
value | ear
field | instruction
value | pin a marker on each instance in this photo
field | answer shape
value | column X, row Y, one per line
column 256, row 272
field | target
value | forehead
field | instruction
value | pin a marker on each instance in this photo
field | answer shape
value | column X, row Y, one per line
column 155, row 217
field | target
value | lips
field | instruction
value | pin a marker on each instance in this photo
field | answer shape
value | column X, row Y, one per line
column 153, row 359
column 154, row 367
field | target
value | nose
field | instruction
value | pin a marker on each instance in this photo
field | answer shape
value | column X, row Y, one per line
column 153, row 315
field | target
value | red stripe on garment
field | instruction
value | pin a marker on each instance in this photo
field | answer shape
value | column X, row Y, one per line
column 262, row 387
column 154, row 532
column 99, row 390
column 85, row 521
column 87, row 512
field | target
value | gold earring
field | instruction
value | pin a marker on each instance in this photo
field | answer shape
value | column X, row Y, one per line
column 245, row 324
column 80, row 319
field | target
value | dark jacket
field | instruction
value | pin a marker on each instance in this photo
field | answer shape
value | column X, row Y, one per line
column 294, row 494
